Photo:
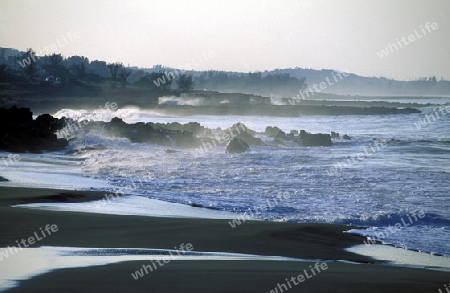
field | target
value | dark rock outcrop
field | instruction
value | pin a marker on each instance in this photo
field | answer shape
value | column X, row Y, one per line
column 345, row 136
column 192, row 127
column 152, row 133
column 273, row 131
column 239, row 130
column 236, row 146
column 250, row 139
column 241, row 127
column 334, row 135
column 20, row 133
column 318, row 139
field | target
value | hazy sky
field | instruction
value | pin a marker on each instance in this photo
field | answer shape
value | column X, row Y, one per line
column 242, row 35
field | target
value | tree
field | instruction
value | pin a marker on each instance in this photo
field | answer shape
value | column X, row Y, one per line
column 99, row 68
column 3, row 72
column 78, row 70
column 29, row 64
column 114, row 70
column 254, row 78
column 77, row 66
column 6, row 74
column 54, row 66
column 185, row 83
column 156, row 81
column 161, row 80
column 123, row 75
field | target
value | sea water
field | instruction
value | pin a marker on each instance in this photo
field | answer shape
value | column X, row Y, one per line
column 372, row 188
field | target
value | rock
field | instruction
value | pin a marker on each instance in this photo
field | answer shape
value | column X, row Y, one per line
column 241, row 131
column 273, row 132
column 282, row 142
column 319, row 139
column 236, row 146
column 281, row 135
column 250, row 139
column 46, row 122
column 172, row 134
column 334, row 135
column 193, row 127
column 345, row 136
column 182, row 138
column 240, row 127
column 20, row 133
column 15, row 115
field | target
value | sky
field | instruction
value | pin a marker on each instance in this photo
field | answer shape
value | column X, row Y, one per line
column 240, row 35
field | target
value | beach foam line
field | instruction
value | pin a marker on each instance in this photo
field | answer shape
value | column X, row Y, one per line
column 136, row 206
column 31, row 262
column 395, row 256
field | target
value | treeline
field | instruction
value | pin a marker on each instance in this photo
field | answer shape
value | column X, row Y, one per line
column 267, row 84
column 56, row 69
column 16, row 66
column 27, row 66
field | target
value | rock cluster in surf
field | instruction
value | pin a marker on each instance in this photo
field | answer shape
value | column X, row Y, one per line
column 20, row 133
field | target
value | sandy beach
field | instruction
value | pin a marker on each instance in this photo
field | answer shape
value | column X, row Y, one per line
column 239, row 146
column 307, row 241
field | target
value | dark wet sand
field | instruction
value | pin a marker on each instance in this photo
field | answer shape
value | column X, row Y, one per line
column 315, row 241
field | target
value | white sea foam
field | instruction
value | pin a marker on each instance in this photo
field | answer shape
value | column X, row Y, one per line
column 134, row 205
column 31, row 262
column 402, row 257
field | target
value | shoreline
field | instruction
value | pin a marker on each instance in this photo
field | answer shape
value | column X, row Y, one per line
column 306, row 241
column 252, row 237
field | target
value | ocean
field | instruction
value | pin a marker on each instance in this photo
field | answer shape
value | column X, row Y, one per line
column 390, row 182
